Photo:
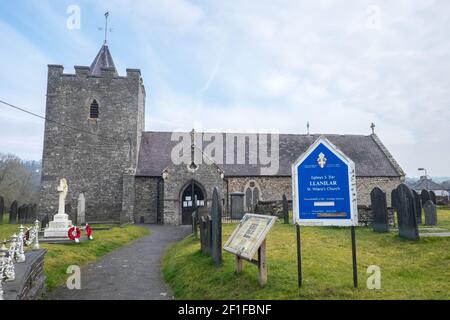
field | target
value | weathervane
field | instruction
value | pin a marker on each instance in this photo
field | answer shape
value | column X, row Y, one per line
column 106, row 27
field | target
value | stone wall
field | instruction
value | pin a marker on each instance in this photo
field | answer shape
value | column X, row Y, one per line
column 128, row 198
column 30, row 278
column 146, row 200
column 272, row 188
column 364, row 187
column 273, row 208
column 92, row 161
column 365, row 216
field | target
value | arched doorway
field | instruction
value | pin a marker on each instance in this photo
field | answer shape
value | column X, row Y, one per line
column 188, row 205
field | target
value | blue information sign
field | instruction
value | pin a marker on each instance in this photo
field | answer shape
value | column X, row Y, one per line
column 324, row 187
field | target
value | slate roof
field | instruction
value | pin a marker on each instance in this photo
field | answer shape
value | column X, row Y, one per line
column 371, row 157
column 102, row 60
column 427, row 184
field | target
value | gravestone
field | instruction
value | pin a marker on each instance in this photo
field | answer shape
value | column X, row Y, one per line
column 417, row 207
column 430, row 213
column 379, row 209
column 194, row 224
column 28, row 213
column 394, row 199
column 31, row 215
column 13, row 212
column 433, row 197
column 2, row 209
column 406, row 215
column 216, row 216
column 72, row 215
column 34, row 213
column 285, row 210
column 22, row 211
column 425, row 196
column 81, row 209
column 203, row 234
column 237, row 205
column 45, row 221
column 208, row 234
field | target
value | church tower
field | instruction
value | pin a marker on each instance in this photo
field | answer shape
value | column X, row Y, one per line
column 95, row 120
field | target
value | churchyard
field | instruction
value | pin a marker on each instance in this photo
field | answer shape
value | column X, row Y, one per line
column 409, row 269
column 60, row 256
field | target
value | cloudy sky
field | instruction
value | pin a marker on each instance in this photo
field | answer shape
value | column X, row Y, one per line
column 248, row 65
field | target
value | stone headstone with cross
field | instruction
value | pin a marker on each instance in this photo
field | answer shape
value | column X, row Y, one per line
column 417, row 207
column 379, row 209
column 216, row 216
column 430, row 213
column 2, row 209
column 285, row 209
column 406, row 215
column 13, row 212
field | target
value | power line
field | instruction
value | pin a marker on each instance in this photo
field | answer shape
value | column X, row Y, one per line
column 54, row 121
column 102, row 144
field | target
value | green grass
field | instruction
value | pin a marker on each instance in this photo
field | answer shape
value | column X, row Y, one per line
column 409, row 270
column 60, row 256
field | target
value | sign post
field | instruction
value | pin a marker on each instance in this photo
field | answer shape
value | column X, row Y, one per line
column 324, row 193
column 299, row 257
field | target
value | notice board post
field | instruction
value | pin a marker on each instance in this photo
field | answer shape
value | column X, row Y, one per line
column 324, row 194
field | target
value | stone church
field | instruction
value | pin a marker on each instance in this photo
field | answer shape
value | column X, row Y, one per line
column 95, row 138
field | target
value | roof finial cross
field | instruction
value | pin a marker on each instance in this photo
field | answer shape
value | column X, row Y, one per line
column 372, row 126
column 307, row 128
column 106, row 27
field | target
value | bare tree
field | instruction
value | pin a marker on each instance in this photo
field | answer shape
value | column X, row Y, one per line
column 17, row 180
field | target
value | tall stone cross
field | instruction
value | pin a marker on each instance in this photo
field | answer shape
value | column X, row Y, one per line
column 62, row 190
